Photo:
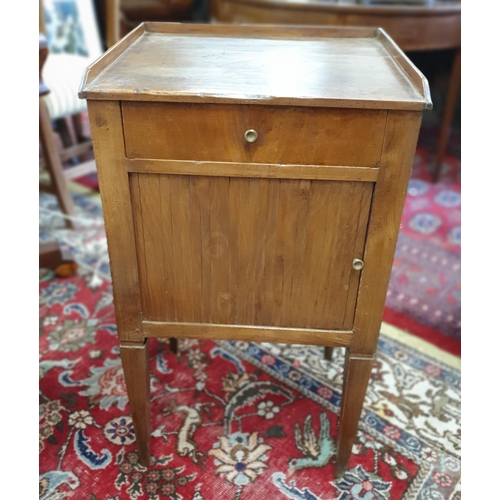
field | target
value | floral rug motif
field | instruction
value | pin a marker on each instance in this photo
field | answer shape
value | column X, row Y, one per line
column 425, row 282
column 87, row 243
column 238, row 420
column 233, row 420
column 424, row 294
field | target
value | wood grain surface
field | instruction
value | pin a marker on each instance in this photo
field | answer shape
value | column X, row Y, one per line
column 265, row 252
column 309, row 66
column 291, row 135
column 213, row 237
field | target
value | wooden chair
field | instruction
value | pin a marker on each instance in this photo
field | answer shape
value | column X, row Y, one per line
column 62, row 73
column 50, row 254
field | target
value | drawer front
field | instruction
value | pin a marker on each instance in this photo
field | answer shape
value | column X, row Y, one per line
column 285, row 135
column 238, row 251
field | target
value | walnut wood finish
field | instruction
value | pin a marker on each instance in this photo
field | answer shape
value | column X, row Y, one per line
column 249, row 170
column 357, row 371
column 214, row 237
column 216, row 273
column 135, row 360
column 385, row 219
column 159, row 329
column 256, row 67
column 216, row 132
column 109, row 150
column 413, row 28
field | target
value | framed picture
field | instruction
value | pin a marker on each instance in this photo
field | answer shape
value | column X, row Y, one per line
column 71, row 28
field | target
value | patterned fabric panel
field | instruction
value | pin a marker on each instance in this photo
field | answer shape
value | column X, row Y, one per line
column 63, row 74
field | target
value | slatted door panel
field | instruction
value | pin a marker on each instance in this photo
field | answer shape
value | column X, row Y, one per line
column 239, row 251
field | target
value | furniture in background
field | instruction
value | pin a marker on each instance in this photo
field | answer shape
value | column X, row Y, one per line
column 73, row 42
column 253, row 180
column 122, row 16
column 138, row 11
column 429, row 26
column 49, row 254
column 111, row 21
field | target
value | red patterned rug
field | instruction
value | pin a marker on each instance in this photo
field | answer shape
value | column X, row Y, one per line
column 424, row 295
column 233, row 420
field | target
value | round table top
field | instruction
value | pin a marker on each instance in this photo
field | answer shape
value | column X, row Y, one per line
column 386, row 7
column 413, row 24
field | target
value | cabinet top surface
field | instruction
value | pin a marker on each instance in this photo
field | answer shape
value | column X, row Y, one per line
column 278, row 65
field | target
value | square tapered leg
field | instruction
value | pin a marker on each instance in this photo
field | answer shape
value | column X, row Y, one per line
column 357, row 373
column 135, row 360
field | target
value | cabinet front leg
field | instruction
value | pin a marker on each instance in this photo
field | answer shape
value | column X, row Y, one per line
column 357, row 373
column 135, row 360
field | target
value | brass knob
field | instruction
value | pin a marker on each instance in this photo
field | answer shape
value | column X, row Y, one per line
column 251, row 135
column 358, row 264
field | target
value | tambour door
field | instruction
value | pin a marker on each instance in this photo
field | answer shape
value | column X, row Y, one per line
column 249, row 251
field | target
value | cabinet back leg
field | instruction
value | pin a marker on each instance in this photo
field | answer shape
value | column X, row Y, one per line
column 357, row 373
column 328, row 353
column 135, row 360
column 173, row 345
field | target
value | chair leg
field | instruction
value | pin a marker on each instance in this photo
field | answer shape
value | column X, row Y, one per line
column 357, row 373
column 135, row 361
column 54, row 165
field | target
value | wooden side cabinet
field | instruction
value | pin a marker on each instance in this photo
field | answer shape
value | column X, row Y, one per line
column 253, row 180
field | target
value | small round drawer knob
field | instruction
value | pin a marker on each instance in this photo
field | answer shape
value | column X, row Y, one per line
column 358, row 264
column 251, row 135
